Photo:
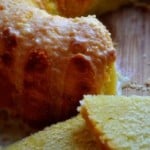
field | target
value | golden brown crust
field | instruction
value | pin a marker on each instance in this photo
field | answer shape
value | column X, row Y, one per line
column 51, row 61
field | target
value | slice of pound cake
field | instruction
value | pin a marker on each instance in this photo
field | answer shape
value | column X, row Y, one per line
column 118, row 122
column 69, row 135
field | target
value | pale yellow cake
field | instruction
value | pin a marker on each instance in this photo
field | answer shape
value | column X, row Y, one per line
column 69, row 135
column 72, row 8
column 118, row 122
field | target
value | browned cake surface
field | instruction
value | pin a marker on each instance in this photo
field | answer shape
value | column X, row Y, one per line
column 48, row 62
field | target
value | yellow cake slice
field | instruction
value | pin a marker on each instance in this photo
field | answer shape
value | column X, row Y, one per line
column 118, row 122
column 69, row 135
column 72, row 8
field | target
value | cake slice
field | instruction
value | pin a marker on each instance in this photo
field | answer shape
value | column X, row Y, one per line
column 69, row 135
column 72, row 8
column 118, row 122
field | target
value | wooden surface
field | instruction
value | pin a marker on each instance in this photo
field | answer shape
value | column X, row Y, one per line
column 130, row 28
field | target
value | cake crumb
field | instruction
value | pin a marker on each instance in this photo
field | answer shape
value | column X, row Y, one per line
column 138, row 87
column 147, row 83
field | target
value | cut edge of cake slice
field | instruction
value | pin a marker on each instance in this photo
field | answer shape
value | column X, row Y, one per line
column 118, row 122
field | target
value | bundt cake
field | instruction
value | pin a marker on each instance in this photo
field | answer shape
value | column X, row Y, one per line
column 48, row 62
column 118, row 122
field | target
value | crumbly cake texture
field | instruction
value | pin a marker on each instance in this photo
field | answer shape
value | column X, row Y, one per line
column 48, row 62
column 69, row 135
column 118, row 122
